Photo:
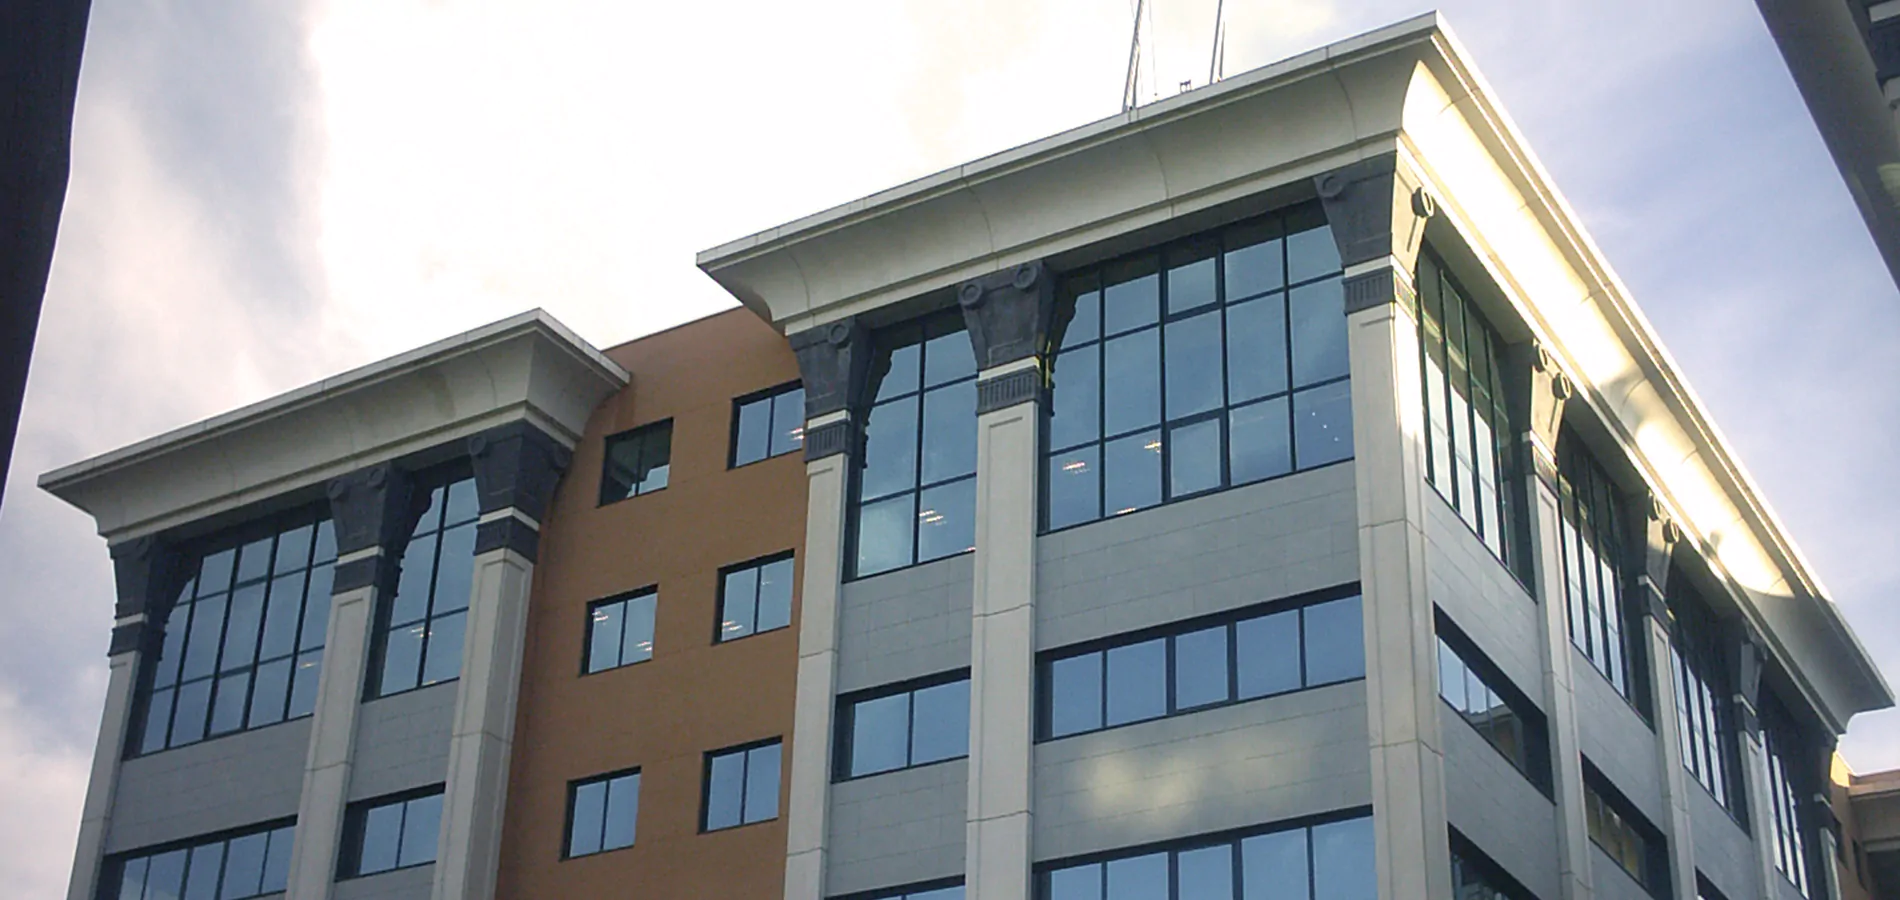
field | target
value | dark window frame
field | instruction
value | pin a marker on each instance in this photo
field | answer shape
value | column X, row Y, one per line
column 444, row 481
column 573, row 794
column 636, row 433
column 844, row 721
column 1793, row 842
column 1281, row 224
column 1700, row 674
column 886, row 341
column 587, row 631
column 1169, row 631
column 1655, row 877
column 904, row 891
column 112, row 869
column 1490, row 874
column 314, row 571
column 768, row 396
column 1041, row 872
column 1534, row 726
column 1595, row 528
column 1433, row 278
column 758, row 562
column 745, row 782
column 356, row 821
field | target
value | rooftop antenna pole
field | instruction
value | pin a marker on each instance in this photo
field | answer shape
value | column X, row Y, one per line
column 1134, row 62
column 1216, row 63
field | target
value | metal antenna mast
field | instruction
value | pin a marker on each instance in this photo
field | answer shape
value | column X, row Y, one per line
column 1134, row 61
column 1217, row 58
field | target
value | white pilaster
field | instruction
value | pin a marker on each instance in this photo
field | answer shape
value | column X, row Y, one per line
column 1560, row 700
column 96, row 814
column 807, row 826
column 1408, row 789
column 475, row 792
column 1676, row 786
column 326, row 777
column 1003, row 650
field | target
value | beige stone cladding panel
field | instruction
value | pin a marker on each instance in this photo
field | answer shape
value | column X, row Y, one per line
column 229, row 782
column 1617, row 741
column 897, row 828
column 402, row 741
column 402, row 884
column 1723, row 851
column 1251, row 763
column 904, row 624
column 1483, row 598
column 1222, row 552
column 1497, row 808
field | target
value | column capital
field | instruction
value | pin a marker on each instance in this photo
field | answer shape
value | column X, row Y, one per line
column 1749, row 658
column 148, row 573
column 373, row 508
column 517, row 467
column 1377, row 210
column 1008, row 314
column 1538, row 401
column 1655, row 537
column 834, row 362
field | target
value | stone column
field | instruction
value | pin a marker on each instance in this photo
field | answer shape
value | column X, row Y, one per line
column 516, row 469
column 1539, row 405
column 833, row 361
column 1656, row 536
column 149, row 574
column 373, row 511
column 1007, row 315
column 1377, row 213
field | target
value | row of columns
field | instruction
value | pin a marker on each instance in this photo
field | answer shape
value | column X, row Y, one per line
column 373, row 511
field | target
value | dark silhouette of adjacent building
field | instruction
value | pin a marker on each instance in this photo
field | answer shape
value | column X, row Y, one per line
column 40, row 46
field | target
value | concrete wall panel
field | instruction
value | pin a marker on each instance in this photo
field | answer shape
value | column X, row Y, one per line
column 1723, row 851
column 905, row 624
column 402, row 742
column 228, row 782
column 1618, row 742
column 402, row 884
column 898, row 828
column 1483, row 598
column 1497, row 808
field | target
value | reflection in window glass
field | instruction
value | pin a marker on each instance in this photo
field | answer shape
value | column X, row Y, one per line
column 916, row 484
column 1237, row 657
column 602, row 813
column 1330, row 861
column 755, row 597
column 420, row 638
column 637, row 462
column 767, row 424
column 226, row 868
column 381, row 835
column 742, row 786
column 1468, row 425
column 1622, row 833
column 1699, row 669
column 1787, row 784
column 1505, row 720
column 1590, row 542
column 1244, row 376
column 883, row 730
column 620, row 631
column 243, row 645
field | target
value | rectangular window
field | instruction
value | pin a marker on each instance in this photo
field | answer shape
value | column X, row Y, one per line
column 755, row 597
column 916, row 486
column 946, row 889
column 419, row 638
column 1217, row 361
column 1623, row 833
column 897, row 727
column 1468, row 433
column 1187, row 666
column 1706, row 891
column 248, row 863
column 391, row 832
column 1475, row 876
column 1787, row 785
column 619, row 631
column 1491, row 705
column 602, row 812
column 637, row 462
column 767, row 424
column 1699, row 670
column 1591, row 542
column 1328, row 861
column 741, row 786
column 244, row 644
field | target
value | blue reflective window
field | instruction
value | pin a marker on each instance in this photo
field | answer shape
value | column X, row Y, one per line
column 1285, row 646
column 755, row 597
column 620, row 631
column 767, row 424
column 894, row 728
column 602, row 812
column 1590, row 542
column 742, row 786
column 637, row 462
column 419, row 641
column 244, row 642
column 1230, row 369
column 247, row 864
column 1500, row 714
column 916, row 484
column 391, row 832
column 1468, row 425
column 1329, row 861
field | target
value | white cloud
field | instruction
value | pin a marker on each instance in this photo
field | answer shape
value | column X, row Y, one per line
column 43, row 778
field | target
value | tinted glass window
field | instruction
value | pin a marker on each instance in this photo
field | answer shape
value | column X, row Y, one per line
column 392, row 833
column 768, row 424
column 225, row 868
column 1590, row 542
column 1467, row 421
column 884, row 729
column 1498, row 712
column 637, row 462
column 755, row 597
column 742, row 786
column 916, row 484
column 420, row 641
column 620, row 631
column 1331, row 861
column 602, row 813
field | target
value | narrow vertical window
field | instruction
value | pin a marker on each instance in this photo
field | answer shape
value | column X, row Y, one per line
column 637, row 462
column 1591, row 548
column 1468, row 429
column 419, row 642
column 1699, row 669
column 1788, row 783
column 1214, row 362
column 767, row 424
column 916, row 486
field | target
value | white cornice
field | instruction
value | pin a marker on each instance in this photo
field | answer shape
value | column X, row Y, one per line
column 527, row 366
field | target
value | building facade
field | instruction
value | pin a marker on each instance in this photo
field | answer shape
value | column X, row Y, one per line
column 1269, row 492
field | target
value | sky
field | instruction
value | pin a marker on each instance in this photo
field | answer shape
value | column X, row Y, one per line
column 266, row 194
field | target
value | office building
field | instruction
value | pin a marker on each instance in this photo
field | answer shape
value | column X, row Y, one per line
column 1270, row 492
